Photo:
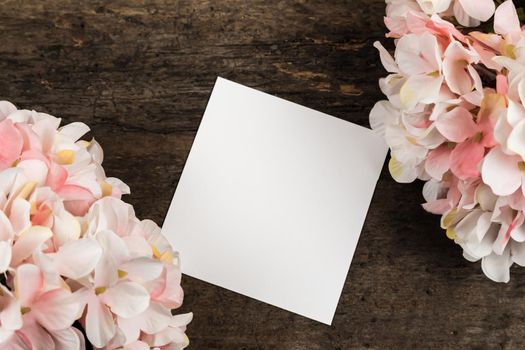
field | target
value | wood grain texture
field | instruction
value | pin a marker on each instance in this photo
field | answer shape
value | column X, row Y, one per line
column 140, row 73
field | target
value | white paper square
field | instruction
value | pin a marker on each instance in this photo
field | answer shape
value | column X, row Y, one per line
column 273, row 198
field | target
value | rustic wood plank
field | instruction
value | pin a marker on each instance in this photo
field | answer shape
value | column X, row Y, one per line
column 140, row 73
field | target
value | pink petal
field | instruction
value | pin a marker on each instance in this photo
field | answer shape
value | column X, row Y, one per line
column 456, row 125
column 11, row 143
column 29, row 281
column 500, row 171
column 34, row 154
column 77, row 200
column 56, row 177
column 37, row 337
column 486, row 128
column 465, row 158
column 455, row 70
column 56, row 309
column 78, row 207
column 168, row 291
column 397, row 26
column 31, row 140
column 73, row 192
column 504, row 234
column 502, row 84
column 438, row 162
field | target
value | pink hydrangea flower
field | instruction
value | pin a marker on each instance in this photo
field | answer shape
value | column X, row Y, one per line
column 72, row 252
column 455, row 118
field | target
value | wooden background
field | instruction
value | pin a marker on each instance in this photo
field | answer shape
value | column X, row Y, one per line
column 140, row 73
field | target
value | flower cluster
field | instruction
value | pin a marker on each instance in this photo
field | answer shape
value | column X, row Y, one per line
column 72, row 253
column 455, row 118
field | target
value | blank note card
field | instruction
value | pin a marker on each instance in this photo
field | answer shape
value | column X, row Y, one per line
column 273, row 198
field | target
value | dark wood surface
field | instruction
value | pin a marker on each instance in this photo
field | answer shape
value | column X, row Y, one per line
column 140, row 73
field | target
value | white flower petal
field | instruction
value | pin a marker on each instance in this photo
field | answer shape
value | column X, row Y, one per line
column 485, row 198
column 496, row 267
column 100, row 327
column 114, row 253
column 506, row 19
column 402, row 173
column 382, row 115
column 37, row 337
column 30, row 240
column 142, row 269
column 126, row 299
column 497, row 163
column 66, row 227
column 515, row 113
column 6, row 108
column 73, row 131
column 76, row 259
column 34, row 169
column 10, row 316
column 420, row 89
column 20, row 215
column 466, row 228
column 6, row 230
column 516, row 141
column 517, row 251
column 479, row 9
column 68, row 339
column 29, row 282
column 5, row 255
column 386, row 59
